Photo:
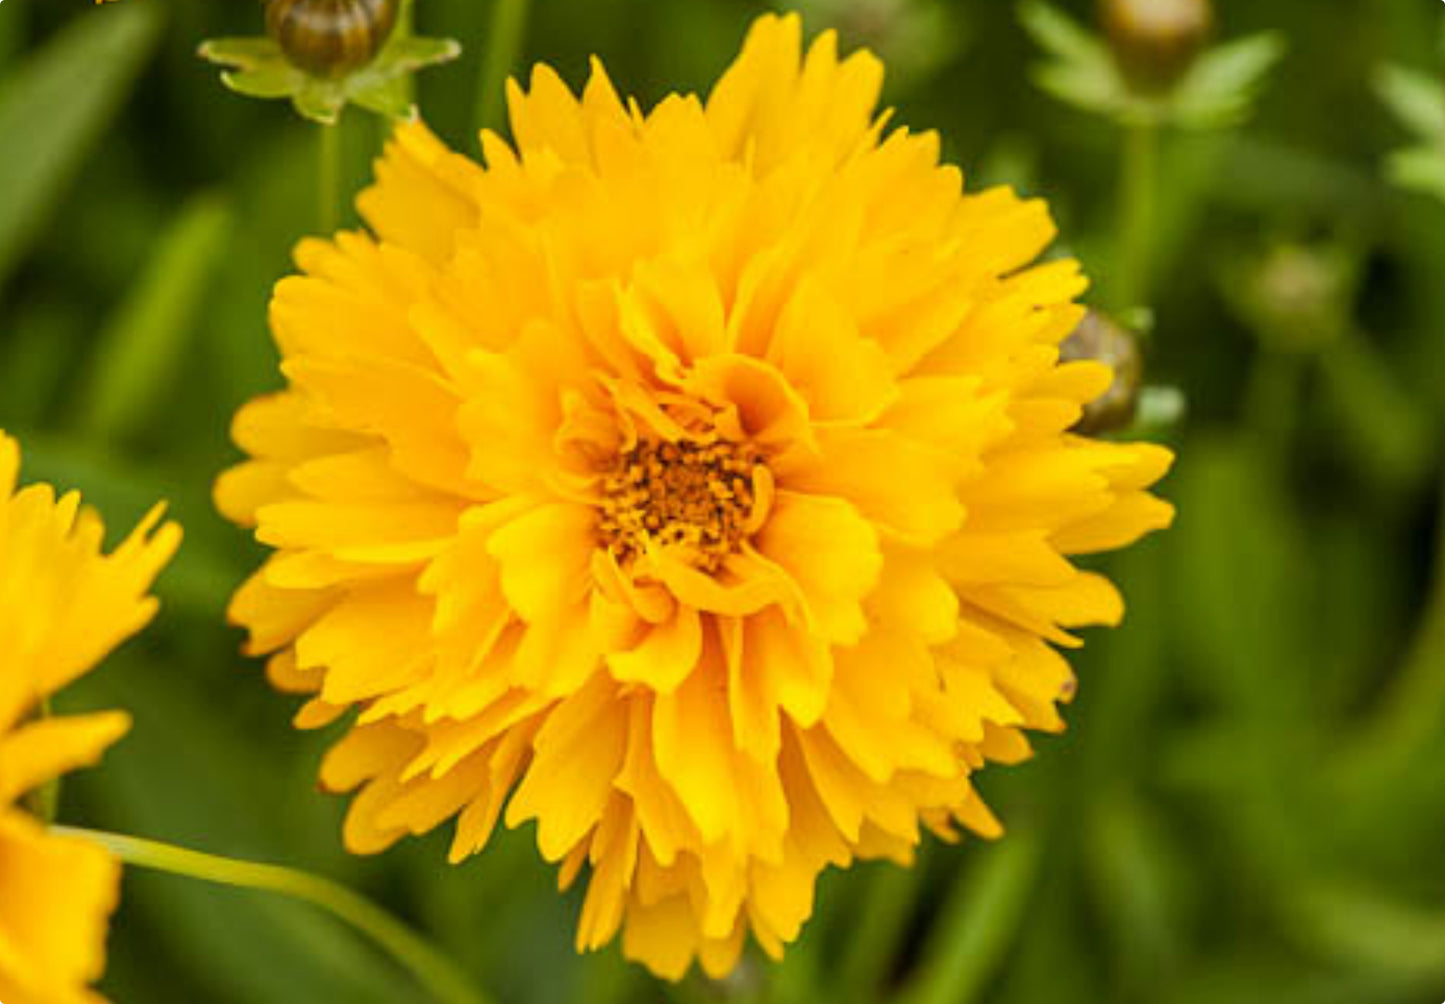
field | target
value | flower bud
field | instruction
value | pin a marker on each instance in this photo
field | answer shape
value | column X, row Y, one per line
column 1155, row 41
column 331, row 38
column 1100, row 339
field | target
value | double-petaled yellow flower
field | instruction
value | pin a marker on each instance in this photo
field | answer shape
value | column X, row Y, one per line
column 695, row 483
column 63, row 606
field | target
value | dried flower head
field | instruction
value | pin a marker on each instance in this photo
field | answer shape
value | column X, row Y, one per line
column 695, row 483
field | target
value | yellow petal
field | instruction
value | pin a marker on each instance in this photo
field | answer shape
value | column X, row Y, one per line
column 832, row 553
column 44, row 750
column 665, row 656
column 56, row 897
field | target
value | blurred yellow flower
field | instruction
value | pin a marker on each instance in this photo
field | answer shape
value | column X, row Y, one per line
column 63, row 606
column 696, row 483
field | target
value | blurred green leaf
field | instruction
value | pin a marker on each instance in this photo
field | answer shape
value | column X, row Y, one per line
column 35, row 361
column 1221, row 87
column 887, row 902
column 1135, row 872
column 978, row 923
column 1062, row 36
column 1388, row 432
column 54, row 109
column 1417, row 99
column 1082, row 72
column 142, row 350
column 1240, row 558
column 1366, row 928
column 1420, row 169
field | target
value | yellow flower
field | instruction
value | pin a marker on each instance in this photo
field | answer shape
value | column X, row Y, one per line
column 695, row 483
column 63, row 606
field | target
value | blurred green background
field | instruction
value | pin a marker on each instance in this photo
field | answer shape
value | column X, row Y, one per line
column 1250, row 803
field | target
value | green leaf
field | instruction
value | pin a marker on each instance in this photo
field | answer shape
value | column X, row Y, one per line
column 1239, row 555
column 57, row 105
column 1388, row 431
column 1221, row 87
column 141, row 351
column 979, row 922
column 1420, row 169
column 1136, row 873
column 267, row 83
column 1368, row 928
column 1082, row 72
column 1061, row 35
column 1418, row 100
column 390, row 95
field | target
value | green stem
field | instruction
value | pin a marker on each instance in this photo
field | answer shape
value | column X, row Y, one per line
column 431, row 969
column 328, row 178
column 1138, row 193
column 44, row 802
column 504, row 46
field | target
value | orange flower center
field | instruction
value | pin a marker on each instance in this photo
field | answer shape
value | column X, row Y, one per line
column 694, row 497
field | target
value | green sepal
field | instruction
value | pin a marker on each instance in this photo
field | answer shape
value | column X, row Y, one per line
column 1418, row 102
column 1219, row 90
column 257, row 68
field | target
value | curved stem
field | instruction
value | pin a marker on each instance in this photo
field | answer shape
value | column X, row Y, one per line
column 1139, row 183
column 430, row 968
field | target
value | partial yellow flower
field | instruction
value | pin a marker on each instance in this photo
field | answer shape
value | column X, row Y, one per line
column 63, row 606
column 694, row 483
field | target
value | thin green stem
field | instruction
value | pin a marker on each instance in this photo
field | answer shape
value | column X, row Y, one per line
column 1138, row 198
column 504, row 47
column 328, row 178
column 431, row 969
column 44, row 802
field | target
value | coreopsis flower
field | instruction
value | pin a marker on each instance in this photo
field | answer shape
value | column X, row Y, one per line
column 695, row 483
column 63, row 606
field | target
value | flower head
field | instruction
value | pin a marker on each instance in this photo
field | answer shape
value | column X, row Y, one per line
column 63, row 606
column 695, row 483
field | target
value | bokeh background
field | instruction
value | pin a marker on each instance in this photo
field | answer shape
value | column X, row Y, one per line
column 1250, row 802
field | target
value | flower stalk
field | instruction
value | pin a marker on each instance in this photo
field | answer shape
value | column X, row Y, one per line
column 504, row 46
column 44, row 801
column 1138, row 200
column 430, row 969
column 328, row 179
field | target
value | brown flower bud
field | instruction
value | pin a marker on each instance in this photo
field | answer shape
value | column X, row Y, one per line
column 1099, row 339
column 1155, row 41
column 331, row 38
